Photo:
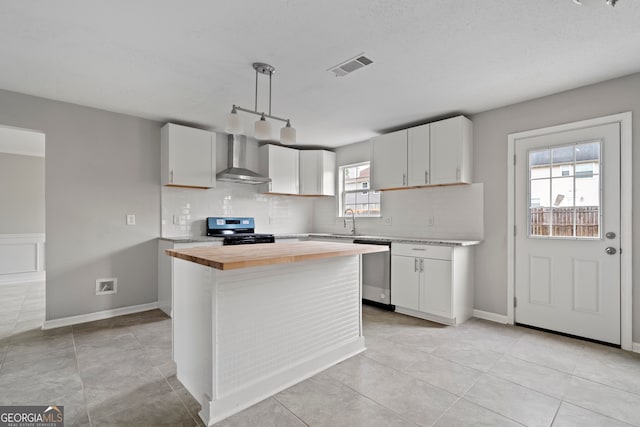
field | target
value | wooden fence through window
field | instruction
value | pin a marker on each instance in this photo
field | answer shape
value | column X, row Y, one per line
column 561, row 221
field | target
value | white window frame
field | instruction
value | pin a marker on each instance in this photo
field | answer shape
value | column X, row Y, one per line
column 342, row 191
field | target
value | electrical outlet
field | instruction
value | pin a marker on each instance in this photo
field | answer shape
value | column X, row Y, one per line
column 431, row 220
column 106, row 286
column 131, row 219
column 176, row 220
column 387, row 220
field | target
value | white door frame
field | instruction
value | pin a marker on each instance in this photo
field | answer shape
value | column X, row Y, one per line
column 626, row 236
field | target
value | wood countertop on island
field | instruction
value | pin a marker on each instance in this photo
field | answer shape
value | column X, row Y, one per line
column 244, row 256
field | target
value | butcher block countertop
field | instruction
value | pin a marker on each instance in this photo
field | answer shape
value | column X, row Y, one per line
column 244, row 256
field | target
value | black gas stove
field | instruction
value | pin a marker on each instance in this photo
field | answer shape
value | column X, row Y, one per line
column 236, row 231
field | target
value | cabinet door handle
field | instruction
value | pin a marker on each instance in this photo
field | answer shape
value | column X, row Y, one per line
column 418, row 249
column 421, row 265
column 171, row 177
column 426, row 177
column 457, row 174
column 415, row 264
column 404, row 179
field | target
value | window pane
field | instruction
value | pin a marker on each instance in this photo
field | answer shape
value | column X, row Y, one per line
column 539, row 221
column 561, row 157
column 588, row 152
column 541, row 192
column 362, row 197
column 539, row 163
column 562, row 207
column 562, row 192
column 349, row 198
column 588, row 191
column 584, row 170
column 588, row 207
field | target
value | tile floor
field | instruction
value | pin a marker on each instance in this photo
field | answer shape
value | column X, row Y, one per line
column 414, row 372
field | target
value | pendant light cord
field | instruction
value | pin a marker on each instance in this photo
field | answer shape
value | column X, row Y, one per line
column 270, row 75
column 256, row 103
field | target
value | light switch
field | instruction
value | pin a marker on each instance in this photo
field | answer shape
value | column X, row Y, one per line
column 131, row 219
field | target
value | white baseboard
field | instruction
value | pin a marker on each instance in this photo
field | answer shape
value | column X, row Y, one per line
column 99, row 315
column 635, row 347
column 499, row 318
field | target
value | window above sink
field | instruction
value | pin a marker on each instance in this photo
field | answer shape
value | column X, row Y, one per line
column 355, row 192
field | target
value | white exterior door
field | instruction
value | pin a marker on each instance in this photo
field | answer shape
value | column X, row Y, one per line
column 567, row 245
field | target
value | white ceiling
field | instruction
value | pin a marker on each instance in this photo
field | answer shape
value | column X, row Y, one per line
column 190, row 61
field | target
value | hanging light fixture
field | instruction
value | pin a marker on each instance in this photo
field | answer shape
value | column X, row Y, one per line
column 288, row 134
column 262, row 130
column 234, row 124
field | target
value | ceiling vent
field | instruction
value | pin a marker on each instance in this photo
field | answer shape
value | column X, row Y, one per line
column 350, row 65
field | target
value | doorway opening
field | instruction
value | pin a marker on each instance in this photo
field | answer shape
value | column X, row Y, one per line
column 22, row 231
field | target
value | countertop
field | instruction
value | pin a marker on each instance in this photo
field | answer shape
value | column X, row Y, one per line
column 189, row 239
column 397, row 239
column 339, row 237
column 244, row 256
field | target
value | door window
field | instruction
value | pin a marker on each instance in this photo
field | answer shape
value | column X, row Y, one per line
column 565, row 191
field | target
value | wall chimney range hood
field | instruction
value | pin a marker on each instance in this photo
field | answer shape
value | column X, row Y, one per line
column 237, row 170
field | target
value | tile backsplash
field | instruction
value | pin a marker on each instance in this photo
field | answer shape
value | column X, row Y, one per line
column 456, row 212
column 184, row 210
column 450, row 212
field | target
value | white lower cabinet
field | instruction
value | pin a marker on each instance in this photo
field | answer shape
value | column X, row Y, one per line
column 405, row 282
column 432, row 282
column 165, row 270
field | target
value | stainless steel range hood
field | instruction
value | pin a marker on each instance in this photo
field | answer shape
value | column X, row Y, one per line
column 237, row 164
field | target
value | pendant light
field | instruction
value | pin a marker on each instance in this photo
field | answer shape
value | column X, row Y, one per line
column 262, row 129
column 288, row 134
column 234, row 123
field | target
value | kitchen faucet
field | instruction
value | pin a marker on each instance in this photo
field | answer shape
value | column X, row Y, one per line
column 353, row 220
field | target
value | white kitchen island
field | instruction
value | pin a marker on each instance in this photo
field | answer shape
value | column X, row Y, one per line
column 251, row 320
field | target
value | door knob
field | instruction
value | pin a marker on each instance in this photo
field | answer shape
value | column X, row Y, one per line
column 610, row 250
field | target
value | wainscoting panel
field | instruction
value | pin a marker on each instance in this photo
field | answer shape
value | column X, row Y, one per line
column 21, row 257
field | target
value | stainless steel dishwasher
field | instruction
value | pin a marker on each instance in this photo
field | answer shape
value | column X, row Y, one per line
column 376, row 275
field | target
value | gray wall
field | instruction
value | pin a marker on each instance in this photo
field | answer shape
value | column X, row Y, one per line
column 490, row 162
column 21, row 194
column 100, row 166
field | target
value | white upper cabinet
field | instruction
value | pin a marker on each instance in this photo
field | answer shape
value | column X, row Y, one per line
column 389, row 160
column 188, row 156
column 317, row 173
column 451, row 151
column 418, row 152
column 281, row 164
column 438, row 153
